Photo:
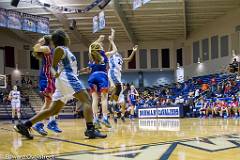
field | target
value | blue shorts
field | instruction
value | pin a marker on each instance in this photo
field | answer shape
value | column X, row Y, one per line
column 98, row 82
column 46, row 84
column 133, row 102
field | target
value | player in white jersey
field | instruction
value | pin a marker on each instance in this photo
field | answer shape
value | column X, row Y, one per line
column 68, row 86
column 115, row 73
column 15, row 98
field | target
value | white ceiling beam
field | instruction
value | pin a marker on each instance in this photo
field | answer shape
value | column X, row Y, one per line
column 123, row 20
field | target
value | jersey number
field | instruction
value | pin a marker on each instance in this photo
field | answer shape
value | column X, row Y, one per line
column 119, row 62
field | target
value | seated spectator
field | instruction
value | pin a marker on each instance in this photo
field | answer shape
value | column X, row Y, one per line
column 205, row 87
column 224, row 108
column 234, row 107
column 233, row 67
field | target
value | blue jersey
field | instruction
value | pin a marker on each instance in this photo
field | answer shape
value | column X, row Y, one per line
column 132, row 97
column 95, row 67
column 98, row 80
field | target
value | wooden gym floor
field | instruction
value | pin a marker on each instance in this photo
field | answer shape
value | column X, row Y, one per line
column 147, row 139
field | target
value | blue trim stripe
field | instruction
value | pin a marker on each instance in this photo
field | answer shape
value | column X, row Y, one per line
column 72, row 79
column 167, row 154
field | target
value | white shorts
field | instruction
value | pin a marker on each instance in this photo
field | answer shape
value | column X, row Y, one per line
column 114, row 77
column 15, row 104
column 65, row 88
column 121, row 98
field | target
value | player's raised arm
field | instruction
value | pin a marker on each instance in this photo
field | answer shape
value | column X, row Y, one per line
column 113, row 37
column 41, row 46
column 114, row 48
column 127, row 59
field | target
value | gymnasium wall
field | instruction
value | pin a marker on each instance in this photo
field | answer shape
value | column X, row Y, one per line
column 21, row 55
column 213, row 59
column 123, row 48
column 150, row 78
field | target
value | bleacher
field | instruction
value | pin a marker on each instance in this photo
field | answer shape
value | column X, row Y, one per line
column 6, row 111
column 36, row 101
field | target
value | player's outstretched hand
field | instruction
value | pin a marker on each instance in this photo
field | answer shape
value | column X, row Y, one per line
column 135, row 48
column 112, row 30
column 110, row 38
column 41, row 41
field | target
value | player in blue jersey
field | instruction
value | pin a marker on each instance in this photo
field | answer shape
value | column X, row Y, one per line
column 115, row 73
column 132, row 98
column 98, row 79
column 68, row 86
column 43, row 52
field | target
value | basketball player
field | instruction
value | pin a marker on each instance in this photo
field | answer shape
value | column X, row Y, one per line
column 98, row 79
column 43, row 52
column 67, row 86
column 115, row 73
column 15, row 97
column 132, row 95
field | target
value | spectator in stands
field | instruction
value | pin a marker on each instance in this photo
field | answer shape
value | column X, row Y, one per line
column 197, row 93
column 234, row 106
column 179, row 100
column 29, row 83
column 23, row 81
column 234, row 66
column 224, row 109
column 1, row 97
column 205, row 87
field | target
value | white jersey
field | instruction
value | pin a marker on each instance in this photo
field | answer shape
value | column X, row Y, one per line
column 116, row 62
column 115, row 69
column 15, row 95
column 68, row 63
column 68, row 82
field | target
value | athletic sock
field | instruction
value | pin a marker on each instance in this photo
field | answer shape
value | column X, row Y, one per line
column 90, row 125
column 52, row 118
column 105, row 117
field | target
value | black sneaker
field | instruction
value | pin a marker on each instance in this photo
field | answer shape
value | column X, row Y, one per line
column 123, row 118
column 92, row 133
column 115, row 119
column 23, row 130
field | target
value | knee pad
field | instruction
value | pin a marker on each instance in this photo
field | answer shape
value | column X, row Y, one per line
column 118, row 89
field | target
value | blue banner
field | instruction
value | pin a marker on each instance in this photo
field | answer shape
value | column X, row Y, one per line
column 3, row 18
column 164, row 112
column 14, row 20
column 95, row 24
column 23, row 21
column 29, row 22
column 43, row 25
column 101, row 22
